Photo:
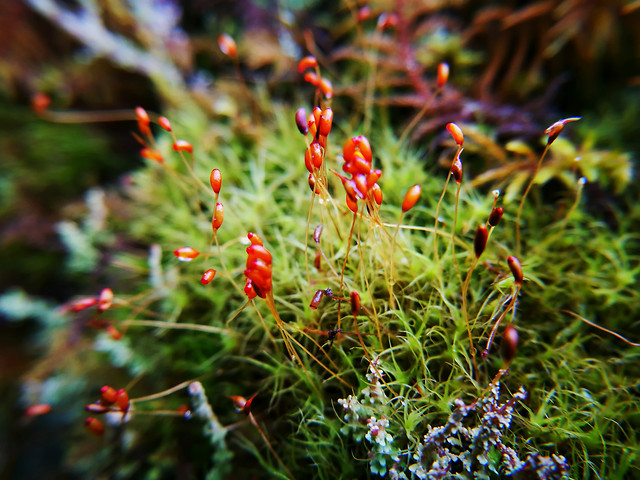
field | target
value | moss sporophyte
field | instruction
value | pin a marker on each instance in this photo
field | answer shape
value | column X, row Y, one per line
column 309, row 322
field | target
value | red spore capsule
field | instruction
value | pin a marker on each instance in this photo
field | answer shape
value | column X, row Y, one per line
column 227, row 45
column 480, row 240
column 218, row 217
column 186, row 254
column 183, row 146
column 254, row 239
column 94, row 425
column 105, row 299
column 411, row 198
column 208, row 276
column 509, row 343
column 108, row 394
column 215, row 179
column 516, row 269
column 456, row 133
column 443, row 73
column 495, row 216
column 83, row 304
column 307, row 62
column 164, row 123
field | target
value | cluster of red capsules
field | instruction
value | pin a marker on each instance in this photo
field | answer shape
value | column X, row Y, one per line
column 102, row 303
column 363, row 183
column 318, row 124
column 258, row 269
column 314, row 78
column 111, row 400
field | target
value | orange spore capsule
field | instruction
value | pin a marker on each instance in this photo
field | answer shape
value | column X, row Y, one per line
column 312, row 184
column 142, row 115
column 352, row 203
column 456, row 169
column 83, row 304
column 122, row 400
column 313, row 156
column 411, row 198
column 249, row 290
column 307, row 62
column 182, row 146
column 377, row 193
column 259, row 252
column 326, row 87
column 254, row 239
column 456, row 133
column 326, row 120
column 443, row 73
column 94, row 425
column 218, row 216
column 516, row 269
column 215, row 179
column 108, row 394
column 113, row 332
column 143, row 120
column 364, row 13
column 151, row 154
column 186, row 254
column 38, row 409
column 105, row 299
column 208, row 276
column 227, row 45
column 40, row 102
column 164, row 123
column 311, row 78
column 555, row 129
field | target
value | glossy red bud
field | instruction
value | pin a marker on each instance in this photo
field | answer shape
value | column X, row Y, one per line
column 411, row 198
column 227, row 45
column 186, row 254
column 108, row 394
column 94, row 426
column 83, row 304
column 456, row 133
column 355, row 303
column 218, row 217
column 105, row 299
column 516, row 269
column 495, row 216
column 480, row 240
column 208, row 276
column 254, row 239
column 182, row 146
column 249, row 290
column 122, row 400
column 509, row 343
column 164, row 123
column 443, row 73
column 307, row 62
column 215, row 179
